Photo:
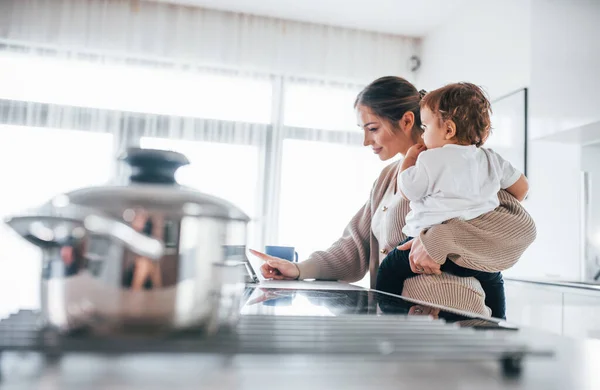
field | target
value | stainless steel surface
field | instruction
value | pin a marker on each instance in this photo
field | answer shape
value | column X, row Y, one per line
column 293, row 372
column 590, row 214
column 584, row 221
column 348, row 351
column 396, row 336
column 295, row 352
column 56, row 230
column 148, row 254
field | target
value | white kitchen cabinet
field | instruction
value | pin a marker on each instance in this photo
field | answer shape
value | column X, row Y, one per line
column 561, row 308
column 581, row 312
column 534, row 306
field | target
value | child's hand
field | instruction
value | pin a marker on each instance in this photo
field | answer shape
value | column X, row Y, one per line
column 415, row 150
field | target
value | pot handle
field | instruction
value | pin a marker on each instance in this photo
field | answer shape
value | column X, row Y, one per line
column 55, row 231
column 153, row 165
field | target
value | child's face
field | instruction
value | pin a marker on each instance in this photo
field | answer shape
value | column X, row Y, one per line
column 434, row 134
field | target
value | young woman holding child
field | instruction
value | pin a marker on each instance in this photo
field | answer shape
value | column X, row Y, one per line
column 452, row 176
column 389, row 113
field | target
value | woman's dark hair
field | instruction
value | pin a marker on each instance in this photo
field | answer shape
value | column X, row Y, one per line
column 467, row 106
column 390, row 98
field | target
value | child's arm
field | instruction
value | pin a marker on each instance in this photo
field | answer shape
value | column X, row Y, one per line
column 409, row 161
column 411, row 156
column 511, row 180
column 520, row 189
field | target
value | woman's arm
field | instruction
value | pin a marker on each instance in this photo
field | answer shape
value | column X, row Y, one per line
column 492, row 242
column 349, row 257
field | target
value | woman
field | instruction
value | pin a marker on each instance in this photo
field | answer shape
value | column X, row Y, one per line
column 388, row 113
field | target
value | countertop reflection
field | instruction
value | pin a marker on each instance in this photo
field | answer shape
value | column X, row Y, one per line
column 302, row 302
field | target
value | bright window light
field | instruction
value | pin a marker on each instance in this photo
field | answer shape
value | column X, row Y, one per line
column 38, row 163
column 319, row 107
column 225, row 170
column 320, row 194
column 134, row 88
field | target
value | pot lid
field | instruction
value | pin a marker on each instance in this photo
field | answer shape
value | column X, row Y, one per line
column 153, row 188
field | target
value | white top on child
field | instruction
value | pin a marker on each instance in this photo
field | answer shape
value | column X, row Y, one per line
column 454, row 181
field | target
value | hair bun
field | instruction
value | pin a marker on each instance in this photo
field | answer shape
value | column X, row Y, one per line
column 422, row 93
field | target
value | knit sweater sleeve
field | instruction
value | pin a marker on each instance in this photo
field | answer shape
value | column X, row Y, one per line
column 491, row 242
column 348, row 258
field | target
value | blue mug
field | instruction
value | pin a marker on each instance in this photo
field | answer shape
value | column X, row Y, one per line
column 283, row 252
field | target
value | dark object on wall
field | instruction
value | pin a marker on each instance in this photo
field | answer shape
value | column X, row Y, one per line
column 414, row 63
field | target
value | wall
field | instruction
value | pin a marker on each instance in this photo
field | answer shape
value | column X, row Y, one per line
column 563, row 94
column 479, row 45
column 551, row 47
column 565, row 64
column 486, row 42
column 554, row 204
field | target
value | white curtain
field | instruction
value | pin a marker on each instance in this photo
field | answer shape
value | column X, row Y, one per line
column 263, row 108
column 214, row 38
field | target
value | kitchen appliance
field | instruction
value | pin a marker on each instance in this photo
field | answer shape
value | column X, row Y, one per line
column 146, row 255
column 361, row 324
column 590, row 214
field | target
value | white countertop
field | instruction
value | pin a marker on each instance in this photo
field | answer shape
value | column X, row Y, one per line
column 557, row 283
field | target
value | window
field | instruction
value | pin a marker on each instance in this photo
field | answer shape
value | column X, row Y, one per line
column 38, row 163
column 321, row 193
column 225, row 170
column 319, row 107
column 135, row 88
column 320, row 169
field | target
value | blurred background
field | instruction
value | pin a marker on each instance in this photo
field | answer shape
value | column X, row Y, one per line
column 259, row 95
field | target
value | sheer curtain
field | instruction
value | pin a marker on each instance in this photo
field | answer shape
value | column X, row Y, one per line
column 212, row 38
column 326, row 172
column 64, row 121
column 263, row 108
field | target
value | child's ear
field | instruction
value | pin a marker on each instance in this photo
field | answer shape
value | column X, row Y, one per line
column 450, row 129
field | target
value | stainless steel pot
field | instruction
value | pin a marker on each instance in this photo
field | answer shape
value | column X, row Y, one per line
column 146, row 255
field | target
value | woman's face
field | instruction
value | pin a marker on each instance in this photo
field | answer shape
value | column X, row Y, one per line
column 385, row 141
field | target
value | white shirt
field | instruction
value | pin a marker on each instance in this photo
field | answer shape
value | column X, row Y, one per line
column 380, row 222
column 454, row 181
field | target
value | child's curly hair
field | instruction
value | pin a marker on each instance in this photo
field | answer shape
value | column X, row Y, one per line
column 467, row 106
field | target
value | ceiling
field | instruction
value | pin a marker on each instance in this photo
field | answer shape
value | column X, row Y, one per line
column 403, row 17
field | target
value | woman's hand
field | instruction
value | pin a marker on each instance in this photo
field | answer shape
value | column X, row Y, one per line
column 420, row 262
column 269, row 294
column 276, row 268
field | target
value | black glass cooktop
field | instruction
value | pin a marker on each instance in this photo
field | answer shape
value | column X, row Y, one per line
column 299, row 302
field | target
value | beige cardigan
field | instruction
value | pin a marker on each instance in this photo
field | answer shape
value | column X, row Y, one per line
column 492, row 242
